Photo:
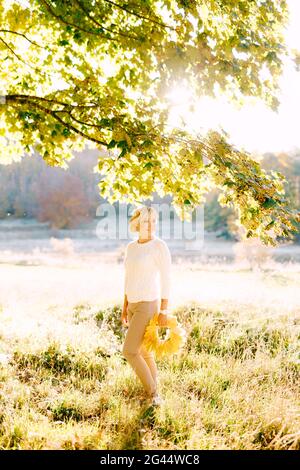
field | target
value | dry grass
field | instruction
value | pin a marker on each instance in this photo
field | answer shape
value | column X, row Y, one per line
column 65, row 385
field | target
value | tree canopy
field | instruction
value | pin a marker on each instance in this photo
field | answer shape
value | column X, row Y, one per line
column 95, row 73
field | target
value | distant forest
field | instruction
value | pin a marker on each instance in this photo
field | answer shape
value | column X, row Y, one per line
column 66, row 198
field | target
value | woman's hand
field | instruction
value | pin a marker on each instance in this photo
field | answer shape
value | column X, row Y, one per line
column 124, row 317
column 162, row 319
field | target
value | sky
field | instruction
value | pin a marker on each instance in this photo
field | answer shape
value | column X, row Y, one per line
column 255, row 127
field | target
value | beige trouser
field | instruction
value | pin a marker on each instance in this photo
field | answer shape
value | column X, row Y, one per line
column 142, row 361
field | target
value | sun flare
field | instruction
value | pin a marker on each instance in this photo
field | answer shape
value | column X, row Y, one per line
column 254, row 127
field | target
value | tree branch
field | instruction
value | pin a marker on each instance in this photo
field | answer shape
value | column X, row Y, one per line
column 17, row 56
column 136, row 38
column 69, row 112
column 77, row 131
column 21, row 34
column 62, row 20
column 29, row 97
column 69, row 126
column 140, row 16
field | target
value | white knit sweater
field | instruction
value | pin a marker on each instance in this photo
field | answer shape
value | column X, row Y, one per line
column 147, row 270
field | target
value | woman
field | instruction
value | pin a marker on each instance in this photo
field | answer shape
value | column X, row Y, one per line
column 147, row 288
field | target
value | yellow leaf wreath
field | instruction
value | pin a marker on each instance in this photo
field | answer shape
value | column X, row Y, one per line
column 173, row 341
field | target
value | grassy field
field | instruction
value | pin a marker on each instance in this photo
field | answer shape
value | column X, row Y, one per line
column 65, row 385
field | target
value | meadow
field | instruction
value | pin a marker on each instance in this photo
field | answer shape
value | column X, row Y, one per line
column 65, row 385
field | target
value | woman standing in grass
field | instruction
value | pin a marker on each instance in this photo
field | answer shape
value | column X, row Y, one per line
column 147, row 288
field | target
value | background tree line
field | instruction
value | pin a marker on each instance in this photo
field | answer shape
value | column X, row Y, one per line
column 223, row 219
column 32, row 189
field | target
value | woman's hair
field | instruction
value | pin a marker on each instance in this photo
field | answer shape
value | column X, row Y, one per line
column 145, row 212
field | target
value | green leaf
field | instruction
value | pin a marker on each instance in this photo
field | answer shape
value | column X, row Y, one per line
column 63, row 42
column 122, row 144
column 105, row 122
column 229, row 183
column 269, row 202
column 124, row 151
column 270, row 225
column 112, row 144
column 147, row 143
column 66, row 132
